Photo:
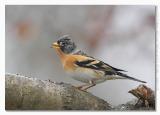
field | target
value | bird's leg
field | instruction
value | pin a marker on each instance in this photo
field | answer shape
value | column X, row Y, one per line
column 89, row 86
column 81, row 86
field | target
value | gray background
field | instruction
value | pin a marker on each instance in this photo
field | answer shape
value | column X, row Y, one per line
column 122, row 36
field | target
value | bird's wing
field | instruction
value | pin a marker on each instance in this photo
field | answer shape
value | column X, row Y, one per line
column 97, row 65
column 107, row 69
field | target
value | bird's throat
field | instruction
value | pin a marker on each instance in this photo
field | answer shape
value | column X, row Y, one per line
column 60, row 54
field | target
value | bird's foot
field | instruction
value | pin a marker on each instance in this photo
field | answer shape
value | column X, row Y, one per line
column 84, row 87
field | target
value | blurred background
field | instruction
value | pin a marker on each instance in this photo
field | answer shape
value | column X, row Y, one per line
column 122, row 36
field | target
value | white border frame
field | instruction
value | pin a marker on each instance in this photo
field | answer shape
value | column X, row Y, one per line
column 69, row 2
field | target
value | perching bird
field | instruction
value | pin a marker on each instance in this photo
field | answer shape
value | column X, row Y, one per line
column 85, row 68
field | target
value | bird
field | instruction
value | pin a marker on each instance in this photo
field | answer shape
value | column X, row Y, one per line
column 85, row 68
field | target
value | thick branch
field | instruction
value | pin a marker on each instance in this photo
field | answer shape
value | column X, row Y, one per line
column 24, row 93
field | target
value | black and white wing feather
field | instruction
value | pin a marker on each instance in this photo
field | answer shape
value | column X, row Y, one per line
column 92, row 63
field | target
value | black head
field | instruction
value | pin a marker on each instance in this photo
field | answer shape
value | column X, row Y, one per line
column 66, row 44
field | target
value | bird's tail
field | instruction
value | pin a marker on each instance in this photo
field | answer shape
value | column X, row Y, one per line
column 128, row 77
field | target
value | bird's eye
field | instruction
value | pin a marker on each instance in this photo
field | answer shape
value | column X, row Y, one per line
column 61, row 43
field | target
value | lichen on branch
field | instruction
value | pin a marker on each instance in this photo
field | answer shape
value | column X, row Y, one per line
column 26, row 93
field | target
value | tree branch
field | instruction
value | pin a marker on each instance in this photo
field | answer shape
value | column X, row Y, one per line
column 25, row 93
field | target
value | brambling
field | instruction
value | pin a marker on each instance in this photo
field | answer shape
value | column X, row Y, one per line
column 85, row 68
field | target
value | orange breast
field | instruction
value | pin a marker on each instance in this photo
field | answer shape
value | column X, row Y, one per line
column 69, row 62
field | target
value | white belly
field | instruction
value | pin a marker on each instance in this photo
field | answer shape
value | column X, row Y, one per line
column 87, row 75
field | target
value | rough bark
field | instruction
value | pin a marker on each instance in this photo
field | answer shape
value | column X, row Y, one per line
column 26, row 93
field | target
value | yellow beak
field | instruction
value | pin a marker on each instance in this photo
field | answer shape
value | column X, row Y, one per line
column 55, row 45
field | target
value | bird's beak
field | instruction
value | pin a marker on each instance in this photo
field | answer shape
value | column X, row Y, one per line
column 55, row 45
